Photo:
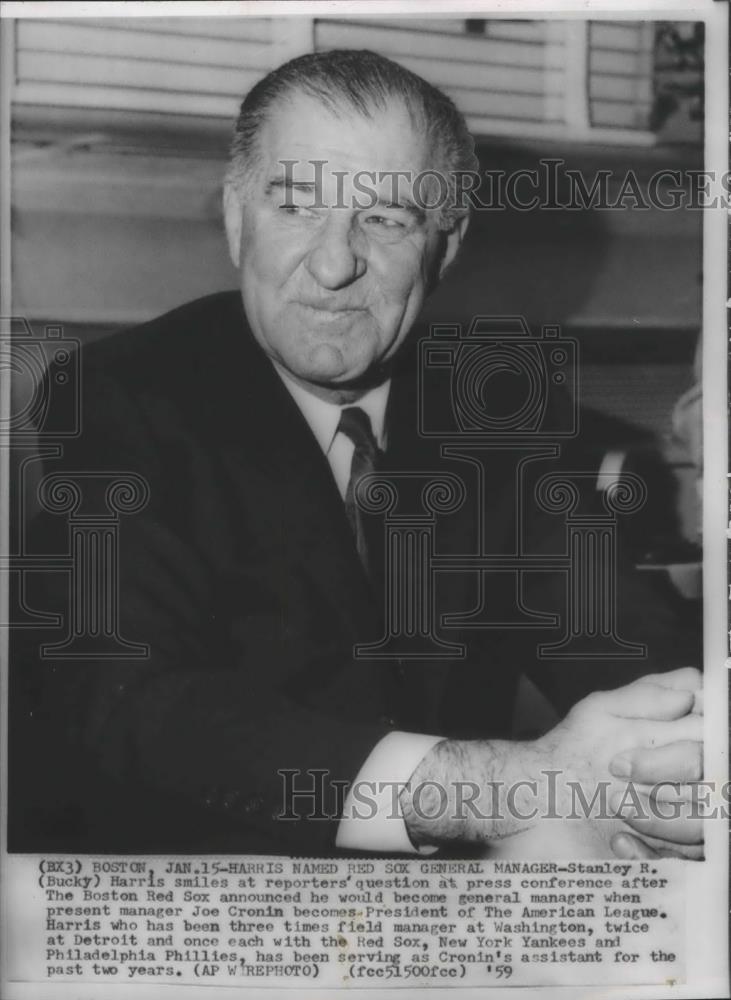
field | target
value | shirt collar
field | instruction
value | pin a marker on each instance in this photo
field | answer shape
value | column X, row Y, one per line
column 323, row 417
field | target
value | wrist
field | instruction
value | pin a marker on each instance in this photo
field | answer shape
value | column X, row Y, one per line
column 476, row 791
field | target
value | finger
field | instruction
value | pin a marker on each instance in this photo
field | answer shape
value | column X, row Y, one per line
column 681, row 761
column 670, row 791
column 645, row 700
column 670, row 849
column 633, row 848
column 677, row 831
column 685, row 679
column 682, row 679
column 676, row 821
column 651, row 733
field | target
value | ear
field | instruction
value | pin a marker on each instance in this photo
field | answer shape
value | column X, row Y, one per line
column 232, row 212
column 452, row 244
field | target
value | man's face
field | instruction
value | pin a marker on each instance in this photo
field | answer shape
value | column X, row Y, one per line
column 331, row 289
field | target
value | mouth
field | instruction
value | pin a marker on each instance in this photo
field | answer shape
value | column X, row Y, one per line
column 327, row 309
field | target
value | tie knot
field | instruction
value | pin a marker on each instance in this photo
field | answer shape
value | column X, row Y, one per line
column 356, row 424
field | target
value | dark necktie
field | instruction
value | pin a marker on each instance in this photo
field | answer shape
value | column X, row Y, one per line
column 356, row 425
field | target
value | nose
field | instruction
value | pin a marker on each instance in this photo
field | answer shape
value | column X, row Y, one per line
column 336, row 258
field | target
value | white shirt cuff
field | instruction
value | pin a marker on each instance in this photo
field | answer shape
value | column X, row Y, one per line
column 372, row 819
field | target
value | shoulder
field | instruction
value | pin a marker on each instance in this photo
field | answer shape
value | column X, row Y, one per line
column 185, row 337
column 200, row 351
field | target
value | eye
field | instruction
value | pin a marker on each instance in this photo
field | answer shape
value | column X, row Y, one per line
column 382, row 220
column 297, row 210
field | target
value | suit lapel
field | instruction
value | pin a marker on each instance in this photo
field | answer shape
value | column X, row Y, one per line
column 271, row 450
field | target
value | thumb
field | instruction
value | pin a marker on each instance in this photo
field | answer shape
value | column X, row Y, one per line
column 632, row 848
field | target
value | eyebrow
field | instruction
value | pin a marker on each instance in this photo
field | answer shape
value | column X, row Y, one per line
column 287, row 184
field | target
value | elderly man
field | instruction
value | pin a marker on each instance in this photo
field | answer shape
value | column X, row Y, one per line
column 252, row 572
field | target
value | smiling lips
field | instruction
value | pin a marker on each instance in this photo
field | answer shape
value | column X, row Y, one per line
column 334, row 310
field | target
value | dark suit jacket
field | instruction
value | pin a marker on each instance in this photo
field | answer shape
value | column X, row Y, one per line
column 242, row 577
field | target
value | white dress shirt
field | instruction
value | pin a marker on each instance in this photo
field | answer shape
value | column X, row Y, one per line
column 373, row 820
column 324, row 417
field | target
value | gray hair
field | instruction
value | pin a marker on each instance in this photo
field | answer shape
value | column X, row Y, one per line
column 365, row 82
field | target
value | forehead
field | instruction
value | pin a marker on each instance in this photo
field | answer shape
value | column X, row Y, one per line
column 301, row 128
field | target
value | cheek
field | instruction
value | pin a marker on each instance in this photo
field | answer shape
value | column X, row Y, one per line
column 267, row 254
column 399, row 278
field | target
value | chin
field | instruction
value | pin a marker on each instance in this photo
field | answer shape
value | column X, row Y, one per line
column 341, row 381
column 354, row 368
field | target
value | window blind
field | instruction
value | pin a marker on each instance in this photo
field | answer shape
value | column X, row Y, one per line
column 551, row 79
column 186, row 66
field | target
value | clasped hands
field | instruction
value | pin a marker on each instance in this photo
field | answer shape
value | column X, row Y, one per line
column 638, row 748
column 648, row 737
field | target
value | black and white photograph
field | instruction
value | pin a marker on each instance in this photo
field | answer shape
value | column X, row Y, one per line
column 364, row 498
